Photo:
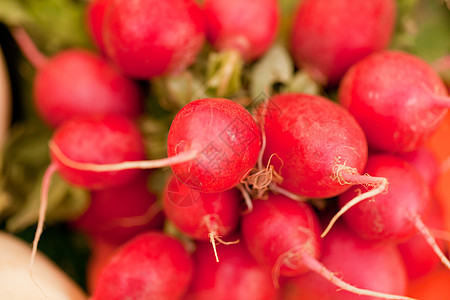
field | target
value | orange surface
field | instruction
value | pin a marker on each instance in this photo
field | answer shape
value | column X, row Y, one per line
column 440, row 145
column 434, row 286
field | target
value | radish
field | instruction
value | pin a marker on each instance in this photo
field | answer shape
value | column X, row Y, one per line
column 329, row 36
column 240, row 32
column 202, row 216
column 396, row 113
column 237, row 277
column 150, row 266
column 283, row 234
column 345, row 253
column 225, row 138
column 148, row 38
column 248, row 27
column 398, row 214
column 316, row 145
column 97, row 139
column 95, row 14
column 76, row 82
column 117, row 214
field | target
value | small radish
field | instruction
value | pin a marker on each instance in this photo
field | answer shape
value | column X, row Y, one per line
column 100, row 139
column 248, row 27
column 398, row 214
column 95, row 14
column 148, row 38
column 315, row 145
column 366, row 264
column 76, row 83
column 117, row 214
column 150, row 266
column 237, row 277
column 201, row 216
column 283, row 234
column 329, row 36
column 397, row 98
column 240, row 32
column 225, row 137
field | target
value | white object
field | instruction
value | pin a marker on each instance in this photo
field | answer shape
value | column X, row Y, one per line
column 51, row 283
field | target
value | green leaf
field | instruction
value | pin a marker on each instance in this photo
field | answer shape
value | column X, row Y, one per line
column 303, row 83
column 223, row 74
column 52, row 24
column 13, row 13
column 64, row 203
column 276, row 66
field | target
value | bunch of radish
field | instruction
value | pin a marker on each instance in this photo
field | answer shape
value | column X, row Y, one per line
column 297, row 197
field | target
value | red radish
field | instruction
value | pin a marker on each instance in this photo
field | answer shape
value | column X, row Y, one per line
column 283, row 234
column 426, row 163
column 395, row 112
column 320, row 149
column 240, row 32
column 418, row 256
column 225, row 137
column 117, row 214
column 148, row 38
column 100, row 139
column 397, row 214
column 329, row 36
column 248, row 27
column 76, row 83
column 237, row 277
column 202, row 216
column 369, row 265
column 95, row 14
column 150, row 266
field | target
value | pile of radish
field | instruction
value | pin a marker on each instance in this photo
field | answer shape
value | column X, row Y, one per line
column 287, row 196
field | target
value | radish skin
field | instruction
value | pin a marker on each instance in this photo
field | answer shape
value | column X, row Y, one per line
column 150, row 266
column 344, row 253
column 404, row 124
column 329, row 36
column 202, row 216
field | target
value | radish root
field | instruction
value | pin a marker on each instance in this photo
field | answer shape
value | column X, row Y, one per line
column 211, row 223
column 422, row 228
column 262, row 179
column 126, row 165
column 151, row 212
column 347, row 175
column 28, row 48
column 51, row 169
column 314, row 265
